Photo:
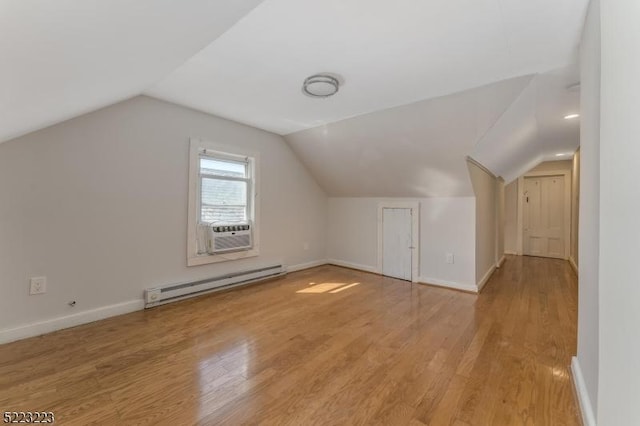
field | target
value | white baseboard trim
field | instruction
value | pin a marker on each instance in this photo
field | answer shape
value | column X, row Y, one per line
column 486, row 277
column 353, row 265
column 584, row 403
column 59, row 323
column 572, row 262
column 307, row 265
column 501, row 261
column 448, row 284
column 513, row 253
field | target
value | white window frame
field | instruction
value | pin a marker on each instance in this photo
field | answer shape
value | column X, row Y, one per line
column 216, row 150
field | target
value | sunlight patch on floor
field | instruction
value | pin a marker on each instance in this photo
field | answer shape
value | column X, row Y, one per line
column 344, row 288
column 327, row 287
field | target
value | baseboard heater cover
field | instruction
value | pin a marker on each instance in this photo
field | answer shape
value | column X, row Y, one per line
column 161, row 295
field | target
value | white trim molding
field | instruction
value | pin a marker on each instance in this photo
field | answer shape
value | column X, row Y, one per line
column 306, row 265
column 79, row 318
column 573, row 264
column 520, row 217
column 470, row 288
column 512, row 253
column 351, row 265
column 415, row 233
column 584, row 403
column 501, row 261
column 486, row 278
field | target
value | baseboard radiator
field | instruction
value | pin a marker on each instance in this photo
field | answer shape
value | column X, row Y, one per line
column 161, row 295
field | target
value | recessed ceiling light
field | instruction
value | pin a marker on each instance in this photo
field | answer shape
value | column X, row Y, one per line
column 562, row 154
column 320, row 86
column 570, row 116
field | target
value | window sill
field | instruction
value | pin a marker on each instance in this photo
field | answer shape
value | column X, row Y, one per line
column 216, row 258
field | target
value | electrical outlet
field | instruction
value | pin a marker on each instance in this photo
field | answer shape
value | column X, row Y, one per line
column 38, row 285
column 449, row 258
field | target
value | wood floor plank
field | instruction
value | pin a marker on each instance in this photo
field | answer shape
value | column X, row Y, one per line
column 327, row 346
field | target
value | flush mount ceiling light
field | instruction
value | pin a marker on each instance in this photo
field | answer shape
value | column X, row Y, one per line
column 320, row 86
column 571, row 116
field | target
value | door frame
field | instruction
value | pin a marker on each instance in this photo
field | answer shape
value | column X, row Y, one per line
column 415, row 233
column 567, row 208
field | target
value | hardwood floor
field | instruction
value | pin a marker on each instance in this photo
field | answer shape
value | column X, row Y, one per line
column 324, row 346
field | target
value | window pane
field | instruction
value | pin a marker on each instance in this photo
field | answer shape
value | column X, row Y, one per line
column 223, row 201
column 212, row 166
column 223, row 214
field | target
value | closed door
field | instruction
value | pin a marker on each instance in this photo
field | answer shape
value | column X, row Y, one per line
column 544, row 216
column 396, row 243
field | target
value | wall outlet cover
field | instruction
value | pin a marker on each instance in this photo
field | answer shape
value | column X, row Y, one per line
column 38, row 285
column 449, row 258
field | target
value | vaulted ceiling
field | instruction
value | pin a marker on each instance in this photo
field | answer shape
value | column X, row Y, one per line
column 533, row 129
column 425, row 83
column 388, row 53
column 63, row 58
column 415, row 150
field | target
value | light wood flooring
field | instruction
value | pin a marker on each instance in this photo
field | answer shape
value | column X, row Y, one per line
column 325, row 346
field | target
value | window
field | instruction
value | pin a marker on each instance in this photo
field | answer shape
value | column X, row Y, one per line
column 222, row 195
column 224, row 190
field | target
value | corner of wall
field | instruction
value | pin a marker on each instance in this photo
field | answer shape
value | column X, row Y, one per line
column 485, row 186
column 584, row 403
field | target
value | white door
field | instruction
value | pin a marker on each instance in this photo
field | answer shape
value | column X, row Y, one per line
column 544, row 216
column 396, row 243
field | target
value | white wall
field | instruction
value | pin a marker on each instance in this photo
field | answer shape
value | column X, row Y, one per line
column 619, row 289
column 352, row 231
column 447, row 225
column 575, row 205
column 98, row 204
column 588, row 243
column 485, row 187
column 500, row 219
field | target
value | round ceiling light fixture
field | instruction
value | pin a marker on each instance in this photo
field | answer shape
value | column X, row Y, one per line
column 320, row 86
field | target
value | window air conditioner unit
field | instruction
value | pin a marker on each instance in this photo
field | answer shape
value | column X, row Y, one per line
column 227, row 238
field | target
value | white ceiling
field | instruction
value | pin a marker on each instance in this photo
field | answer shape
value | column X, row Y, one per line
column 419, row 150
column 62, row 58
column 533, row 129
column 389, row 53
column 426, row 82
column 415, row 150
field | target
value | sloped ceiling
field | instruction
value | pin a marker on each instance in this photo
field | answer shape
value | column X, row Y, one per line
column 425, row 83
column 533, row 128
column 419, row 150
column 416, row 150
column 63, row 58
column 388, row 53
